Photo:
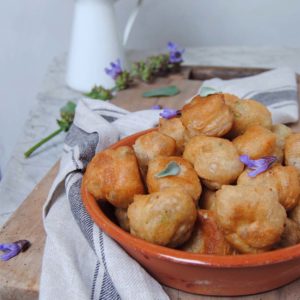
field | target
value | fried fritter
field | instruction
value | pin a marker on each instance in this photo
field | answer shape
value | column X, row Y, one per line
column 113, row 175
column 284, row 180
column 187, row 179
column 165, row 218
column 295, row 213
column 151, row 145
column 291, row 234
column 207, row 237
column 247, row 113
column 207, row 115
column 282, row 132
column 256, row 142
column 121, row 215
column 251, row 217
column 173, row 128
column 292, row 151
column 215, row 160
column 208, row 199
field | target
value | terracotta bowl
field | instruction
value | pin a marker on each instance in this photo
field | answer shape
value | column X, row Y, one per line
column 196, row 273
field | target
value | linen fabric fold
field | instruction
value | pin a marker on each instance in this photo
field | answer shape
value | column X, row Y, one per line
column 80, row 261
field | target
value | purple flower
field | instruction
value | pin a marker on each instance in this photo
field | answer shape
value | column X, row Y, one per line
column 169, row 113
column 257, row 165
column 175, row 53
column 13, row 249
column 156, row 106
column 115, row 70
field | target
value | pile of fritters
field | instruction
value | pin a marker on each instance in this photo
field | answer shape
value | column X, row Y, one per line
column 184, row 185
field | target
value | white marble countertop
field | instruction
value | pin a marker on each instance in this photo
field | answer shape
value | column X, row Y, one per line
column 22, row 174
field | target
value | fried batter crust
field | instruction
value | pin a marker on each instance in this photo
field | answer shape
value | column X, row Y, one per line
column 256, row 142
column 187, row 179
column 284, row 180
column 151, row 145
column 247, row 113
column 292, row 151
column 113, row 175
column 164, row 218
column 251, row 217
column 215, row 160
column 207, row 237
column 207, row 115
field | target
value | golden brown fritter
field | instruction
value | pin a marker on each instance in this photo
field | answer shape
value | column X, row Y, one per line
column 251, row 217
column 187, row 179
column 165, row 218
column 173, row 128
column 207, row 115
column 208, row 199
column 284, row 180
column 295, row 213
column 292, row 151
column 121, row 215
column 247, row 113
column 256, row 142
column 291, row 234
column 230, row 99
column 282, row 132
column 151, row 145
column 215, row 160
column 207, row 237
column 113, row 175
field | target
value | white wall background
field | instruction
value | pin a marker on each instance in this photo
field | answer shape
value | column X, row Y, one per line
column 32, row 32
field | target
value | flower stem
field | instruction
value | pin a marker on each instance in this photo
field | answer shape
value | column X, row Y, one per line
column 43, row 141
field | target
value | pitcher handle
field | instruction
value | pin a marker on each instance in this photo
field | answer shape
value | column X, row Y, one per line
column 130, row 21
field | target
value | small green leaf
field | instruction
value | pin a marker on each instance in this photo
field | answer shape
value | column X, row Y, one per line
column 171, row 169
column 162, row 92
column 206, row 91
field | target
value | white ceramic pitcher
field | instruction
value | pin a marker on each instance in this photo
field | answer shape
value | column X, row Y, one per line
column 95, row 43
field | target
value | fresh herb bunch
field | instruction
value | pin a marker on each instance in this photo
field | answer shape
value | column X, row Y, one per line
column 123, row 81
column 141, row 70
column 67, row 114
column 101, row 93
column 159, row 64
column 144, row 70
column 122, row 78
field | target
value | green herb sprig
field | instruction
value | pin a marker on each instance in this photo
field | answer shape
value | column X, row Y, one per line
column 67, row 114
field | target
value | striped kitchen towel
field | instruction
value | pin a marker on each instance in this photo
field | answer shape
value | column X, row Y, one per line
column 276, row 89
column 80, row 261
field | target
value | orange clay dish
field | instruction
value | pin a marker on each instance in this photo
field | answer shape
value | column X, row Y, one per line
column 205, row 193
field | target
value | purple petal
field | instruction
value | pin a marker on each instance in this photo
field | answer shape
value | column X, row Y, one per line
column 169, row 113
column 245, row 159
column 115, row 69
column 172, row 46
column 175, row 53
column 257, row 165
column 156, row 106
column 258, row 170
column 10, row 250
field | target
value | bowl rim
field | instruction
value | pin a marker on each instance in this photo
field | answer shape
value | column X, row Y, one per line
column 174, row 255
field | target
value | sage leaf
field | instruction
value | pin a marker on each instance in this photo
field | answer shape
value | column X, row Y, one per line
column 171, row 169
column 206, row 91
column 167, row 91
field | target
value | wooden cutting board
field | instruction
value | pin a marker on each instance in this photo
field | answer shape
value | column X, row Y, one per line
column 19, row 277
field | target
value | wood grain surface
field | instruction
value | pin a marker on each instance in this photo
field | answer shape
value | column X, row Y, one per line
column 19, row 277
